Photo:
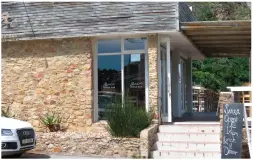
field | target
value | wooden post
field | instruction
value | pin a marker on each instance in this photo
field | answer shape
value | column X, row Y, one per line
column 198, row 100
column 251, row 77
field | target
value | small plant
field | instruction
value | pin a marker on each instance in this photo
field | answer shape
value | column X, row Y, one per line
column 51, row 121
column 6, row 113
column 136, row 156
column 127, row 120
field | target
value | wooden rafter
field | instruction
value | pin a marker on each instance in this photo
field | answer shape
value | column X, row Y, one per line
column 225, row 46
column 192, row 28
column 223, row 42
column 220, row 39
column 220, row 33
column 228, row 37
column 217, row 23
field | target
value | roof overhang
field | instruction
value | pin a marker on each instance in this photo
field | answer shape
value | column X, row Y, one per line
column 220, row 38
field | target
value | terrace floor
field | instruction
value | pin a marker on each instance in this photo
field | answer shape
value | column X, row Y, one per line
column 197, row 117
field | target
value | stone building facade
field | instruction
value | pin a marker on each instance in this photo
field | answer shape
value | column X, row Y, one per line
column 53, row 62
column 49, row 75
column 41, row 76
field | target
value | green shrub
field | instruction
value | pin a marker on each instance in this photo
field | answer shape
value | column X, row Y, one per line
column 6, row 113
column 51, row 121
column 127, row 120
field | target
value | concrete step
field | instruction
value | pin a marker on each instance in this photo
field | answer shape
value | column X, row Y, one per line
column 204, row 146
column 190, row 128
column 189, row 137
column 175, row 154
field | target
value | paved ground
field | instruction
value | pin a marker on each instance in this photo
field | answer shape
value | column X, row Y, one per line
column 55, row 156
column 198, row 116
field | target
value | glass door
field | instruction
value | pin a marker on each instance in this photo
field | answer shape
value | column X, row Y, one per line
column 182, row 85
column 164, row 84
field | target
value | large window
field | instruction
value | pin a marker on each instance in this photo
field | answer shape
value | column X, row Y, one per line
column 121, row 71
column 134, row 78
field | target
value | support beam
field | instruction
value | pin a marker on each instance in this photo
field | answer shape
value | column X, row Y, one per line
column 221, row 33
column 219, row 38
column 194, row 28
column 215, row 55
column 189, row 97
column 225, row 50
column 247, row 46
column 238, row 41
column 168, row 58
column 153, row 85
column 218, row 23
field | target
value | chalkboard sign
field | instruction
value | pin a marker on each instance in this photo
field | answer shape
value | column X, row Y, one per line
column 232, row 130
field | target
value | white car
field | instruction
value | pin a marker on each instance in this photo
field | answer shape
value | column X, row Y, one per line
column 16, row 137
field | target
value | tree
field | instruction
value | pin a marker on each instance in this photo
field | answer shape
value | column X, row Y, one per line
column 218, row 73
column 213, row 11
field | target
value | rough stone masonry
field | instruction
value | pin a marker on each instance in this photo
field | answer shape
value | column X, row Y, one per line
column 49, row 75
column 55, row 75
column 97, row 142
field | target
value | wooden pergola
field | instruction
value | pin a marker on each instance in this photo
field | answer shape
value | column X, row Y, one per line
column 225, row 39
column 220, row 38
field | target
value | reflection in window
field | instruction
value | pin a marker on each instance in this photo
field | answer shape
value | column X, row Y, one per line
column 134, row 78
column 134, row 44
column 110, row 68
column 109, row 81
column 109, row 46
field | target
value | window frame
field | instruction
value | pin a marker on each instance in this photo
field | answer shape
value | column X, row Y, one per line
column 122, row 53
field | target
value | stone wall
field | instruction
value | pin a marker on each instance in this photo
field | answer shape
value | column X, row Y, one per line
column 49, row 75
column 96, row 142
column 88, row 143
column 227, row 98
column 245, row 148
column 147, row 140
column 153, row 72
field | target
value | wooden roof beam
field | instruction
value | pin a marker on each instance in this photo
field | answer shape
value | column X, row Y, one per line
column 224, row 54
column 247, row 46
column 190, row 28
column 218, row 33
column 228, row 55
column 209, row 51
column 225, row 50
column 229, row 37
column 218, row 23
column 223, row 42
